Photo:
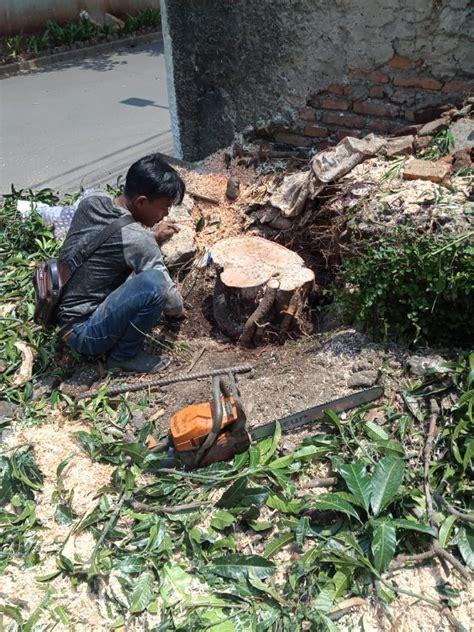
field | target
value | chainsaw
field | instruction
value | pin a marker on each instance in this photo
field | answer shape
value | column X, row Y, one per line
column 214, row 431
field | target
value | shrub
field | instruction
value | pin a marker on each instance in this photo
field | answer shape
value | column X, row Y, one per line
column 417, row 287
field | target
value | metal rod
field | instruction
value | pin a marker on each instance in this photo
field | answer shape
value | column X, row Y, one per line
column 181, row 377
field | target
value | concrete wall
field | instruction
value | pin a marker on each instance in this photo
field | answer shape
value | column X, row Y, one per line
column 18, row 16
column 270, row 64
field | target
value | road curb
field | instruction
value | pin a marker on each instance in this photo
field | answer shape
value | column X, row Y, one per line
column 31, row 65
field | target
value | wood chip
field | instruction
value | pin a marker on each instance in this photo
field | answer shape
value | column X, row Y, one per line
column 157, row 414
column 25, row 371
column 347, row 604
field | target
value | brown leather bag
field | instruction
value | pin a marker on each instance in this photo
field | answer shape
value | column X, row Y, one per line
column 49, row 280
column 51, row 277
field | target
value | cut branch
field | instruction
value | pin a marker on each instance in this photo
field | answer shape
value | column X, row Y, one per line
column 257, row 282
column 401, row 560
column 260, row 313
column 168, row 509
column 452, row 510
column 319, row 482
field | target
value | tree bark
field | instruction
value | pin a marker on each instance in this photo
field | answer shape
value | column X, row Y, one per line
column 259, row 283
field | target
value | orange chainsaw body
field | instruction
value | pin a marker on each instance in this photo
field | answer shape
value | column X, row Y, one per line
column 202, row 434
column 190, row 426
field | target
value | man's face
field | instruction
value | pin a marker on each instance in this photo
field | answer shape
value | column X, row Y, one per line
column 150, row 212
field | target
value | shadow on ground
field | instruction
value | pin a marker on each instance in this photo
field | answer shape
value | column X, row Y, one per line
column 103, row 62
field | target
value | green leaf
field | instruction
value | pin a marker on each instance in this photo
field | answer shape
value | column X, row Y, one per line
column 412, row 525
column 375, row 432
column 136, row 451
column 445, row 530
column 331, row 502
column 143, row 593
column 241, row 494
column 200, row 224
column 236, row 566
column 468, row 455
column 222, row 520
column 48, row 577
column 267, row 454
column 278, row 502
column 260, row 525
column 308, row 453
column 281, row 462
column 465, row 540
column 13, row 612
column 262, row 587
column 234, row 494
column 334, row 589
column 386, row 480
column 358, row 481
column 383, row 545
column 276, row 545
column 35, row 616
column 61, row 467
column 392, row 446
column 349, row 497
column 176, row 585
column 328, row 623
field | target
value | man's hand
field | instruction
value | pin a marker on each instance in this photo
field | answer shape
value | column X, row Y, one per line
column 164, row 230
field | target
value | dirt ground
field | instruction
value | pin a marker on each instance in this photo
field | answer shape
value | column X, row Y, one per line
column 285, row 379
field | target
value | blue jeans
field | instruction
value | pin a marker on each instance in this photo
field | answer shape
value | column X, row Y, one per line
column 118, row 326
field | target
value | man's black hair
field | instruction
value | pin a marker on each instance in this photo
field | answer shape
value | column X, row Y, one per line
column 153, row 177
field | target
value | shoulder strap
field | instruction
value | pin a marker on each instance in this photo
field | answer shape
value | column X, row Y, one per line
column 86, row 251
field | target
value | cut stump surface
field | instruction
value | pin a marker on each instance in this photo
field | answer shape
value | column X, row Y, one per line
column 261, row 284
column 250, row 262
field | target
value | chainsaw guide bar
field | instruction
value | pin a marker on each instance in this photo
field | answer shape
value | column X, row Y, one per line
column 303, row 417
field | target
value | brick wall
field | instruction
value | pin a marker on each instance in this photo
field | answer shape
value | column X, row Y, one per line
column 246, row 65
column 380, row 101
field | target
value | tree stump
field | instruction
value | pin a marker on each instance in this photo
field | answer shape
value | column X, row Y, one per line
column 261, row 285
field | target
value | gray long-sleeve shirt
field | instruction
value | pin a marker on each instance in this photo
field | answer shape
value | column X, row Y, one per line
column 129, row 250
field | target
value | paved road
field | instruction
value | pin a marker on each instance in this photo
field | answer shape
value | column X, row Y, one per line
column 83, row 122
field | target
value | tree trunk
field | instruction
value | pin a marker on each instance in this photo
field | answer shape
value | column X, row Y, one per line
column 261, row 286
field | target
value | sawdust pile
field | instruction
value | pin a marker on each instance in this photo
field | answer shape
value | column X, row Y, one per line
column 52, row 443
column 220, row 219
column 409, row 614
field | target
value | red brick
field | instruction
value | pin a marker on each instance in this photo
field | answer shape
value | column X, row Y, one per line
column 357, row 74
column 335, row 104
column 378, row 124
column 413, row 81
column 401, row 62
column 342, row 133
column 378, row 92
column 336, row 89
column 404, row 96
column 375, row 76
column 433, row 127
column 289, row 138
column 465, row 87
column 347, row 119
column 316, row 131
column 400, row 146
column 426, row 170
column 376, row 108
column 307, row 114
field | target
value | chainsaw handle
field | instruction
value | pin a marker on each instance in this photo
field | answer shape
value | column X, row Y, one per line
column 219, row 390
column 218, row 387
